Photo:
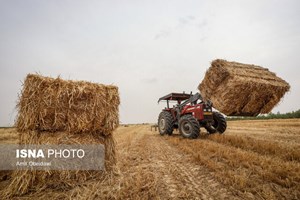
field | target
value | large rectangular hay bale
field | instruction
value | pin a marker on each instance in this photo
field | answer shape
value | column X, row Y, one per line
column 238, row 89
column 59, row 112
column 48, row 104
column 23, row 181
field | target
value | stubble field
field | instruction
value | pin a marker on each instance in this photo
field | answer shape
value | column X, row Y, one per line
column 253, row 160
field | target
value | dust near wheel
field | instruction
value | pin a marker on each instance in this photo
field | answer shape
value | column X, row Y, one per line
column 189, row 127
column 165, row 123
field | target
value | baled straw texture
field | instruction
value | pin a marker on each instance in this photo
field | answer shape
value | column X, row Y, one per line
column 238, row 89
column 48, row 104
column 54, row 111
column 24, row 181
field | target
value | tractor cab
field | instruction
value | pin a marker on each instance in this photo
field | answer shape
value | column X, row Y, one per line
column 179, row 97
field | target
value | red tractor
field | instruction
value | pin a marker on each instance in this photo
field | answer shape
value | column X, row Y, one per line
column 188, row 115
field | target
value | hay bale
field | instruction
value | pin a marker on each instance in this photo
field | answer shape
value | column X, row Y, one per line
column 54, row 111
column 238, row 89
column 65, row 138
column 23, row 181
column 48, row 104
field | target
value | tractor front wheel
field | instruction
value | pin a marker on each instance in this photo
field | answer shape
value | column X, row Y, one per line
column 165, row 123
column 219, row 125
column 189, row 127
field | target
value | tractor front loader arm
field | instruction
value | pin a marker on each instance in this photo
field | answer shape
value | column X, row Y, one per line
column 192, row 99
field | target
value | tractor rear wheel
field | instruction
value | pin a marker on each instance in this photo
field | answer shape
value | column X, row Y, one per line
column 189, row 127
column 219, row 125
column 165, row 123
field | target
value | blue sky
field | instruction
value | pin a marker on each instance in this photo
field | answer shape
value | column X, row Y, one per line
column 147, row 48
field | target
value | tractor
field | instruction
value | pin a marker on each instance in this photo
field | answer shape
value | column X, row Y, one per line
column 189, row 114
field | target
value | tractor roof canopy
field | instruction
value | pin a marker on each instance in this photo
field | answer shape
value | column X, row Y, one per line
column 175, row 97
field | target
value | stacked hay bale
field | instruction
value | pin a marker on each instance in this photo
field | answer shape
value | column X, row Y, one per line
column 238, row 89
column 55, row 111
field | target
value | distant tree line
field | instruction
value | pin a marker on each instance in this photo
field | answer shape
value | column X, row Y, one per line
column 278, row 115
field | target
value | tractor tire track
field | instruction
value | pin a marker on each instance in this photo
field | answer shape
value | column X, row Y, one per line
column 182, row 178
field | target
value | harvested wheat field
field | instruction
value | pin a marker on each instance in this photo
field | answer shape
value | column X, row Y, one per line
column 252, row 160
